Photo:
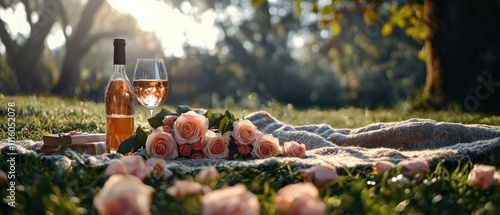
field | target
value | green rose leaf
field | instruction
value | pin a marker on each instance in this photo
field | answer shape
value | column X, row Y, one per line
column 183, row 109
column 134, row 142
column 157, row 120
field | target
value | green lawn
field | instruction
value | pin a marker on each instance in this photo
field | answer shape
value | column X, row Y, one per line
column 41, row 187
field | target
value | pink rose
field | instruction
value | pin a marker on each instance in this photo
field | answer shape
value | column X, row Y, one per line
column 136, row 166
column 265, row 147
column 181, row 189
column 207, row 174
column 320, row 175
column 245, row 133
column 197, row 155
column 190, row 127
column 244, row 149
column 294, row 149
column 215, row 145
column 298, row 199
column 3, row 177
column 230, row 200
column 483, row 176
column 123, row 194
column 415, row 169
column 161, row 145
column 382, row 166
column 158, row 168
column 116, row 167
column 185, row 150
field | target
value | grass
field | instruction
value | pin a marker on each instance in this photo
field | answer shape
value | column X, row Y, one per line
column 43, row 188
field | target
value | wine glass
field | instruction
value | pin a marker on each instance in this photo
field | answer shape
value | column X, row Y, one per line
column 150, row 83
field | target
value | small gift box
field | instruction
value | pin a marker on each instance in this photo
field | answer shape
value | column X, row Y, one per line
column 93, row 144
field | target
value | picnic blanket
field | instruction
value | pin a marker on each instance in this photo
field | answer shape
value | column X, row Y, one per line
column 422, row 139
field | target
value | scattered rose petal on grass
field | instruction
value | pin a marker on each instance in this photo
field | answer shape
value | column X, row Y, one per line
column 229, row 201
column 299, row 199
column 382, row 166
column 181, row 189
column 207, row 175
column 483, row 176
column 123, row 194
column 415, row 169
column 158, row 168
column 320, row 175
column 294, row 149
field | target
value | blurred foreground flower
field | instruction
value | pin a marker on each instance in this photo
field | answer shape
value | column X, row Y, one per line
column 207, row 175
column 231, row 200
column 320, row 175
column 382, row 166
column 294, row 149
column 123, row 194
column 299, row 199
column 415, row 169
column 133, row 165
column 484, row 176
column 158, row 168
column 181, row 189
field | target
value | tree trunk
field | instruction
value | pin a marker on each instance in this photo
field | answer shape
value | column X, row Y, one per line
column 434, row 82
column 23, row 60
column 76, row 47
column 462, row 45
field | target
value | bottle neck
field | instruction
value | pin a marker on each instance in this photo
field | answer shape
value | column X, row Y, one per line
column 119, row 72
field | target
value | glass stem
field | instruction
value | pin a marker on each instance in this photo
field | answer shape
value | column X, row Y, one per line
column 151, row 112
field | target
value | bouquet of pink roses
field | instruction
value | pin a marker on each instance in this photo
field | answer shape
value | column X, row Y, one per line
column 202, row 134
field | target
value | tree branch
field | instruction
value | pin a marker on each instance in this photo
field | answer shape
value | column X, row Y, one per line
column 102, row 35
column 64, row 21
column 28, row 12
column 10, row 46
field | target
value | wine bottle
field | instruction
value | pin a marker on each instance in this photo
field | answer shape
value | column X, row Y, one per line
column 119, row 101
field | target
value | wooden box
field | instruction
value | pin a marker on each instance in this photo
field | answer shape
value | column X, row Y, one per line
column 93, row 144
